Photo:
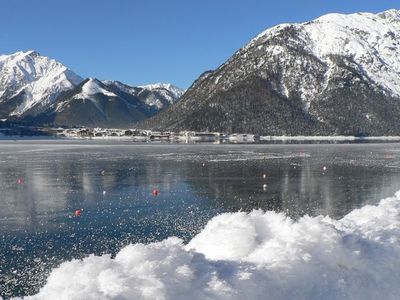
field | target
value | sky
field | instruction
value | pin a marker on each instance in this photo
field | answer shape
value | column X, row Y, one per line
column 141, row 42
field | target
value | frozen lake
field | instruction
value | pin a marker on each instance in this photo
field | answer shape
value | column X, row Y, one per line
column 44, row 183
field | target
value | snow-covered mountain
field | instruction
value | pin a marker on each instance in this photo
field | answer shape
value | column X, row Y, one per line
column 28, row 79
column 370, row 41
column 159, row 95
column 42, row 90
column 96, row 104
column 336, row 74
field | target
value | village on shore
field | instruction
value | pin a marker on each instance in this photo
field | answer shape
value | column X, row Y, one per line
column 140, row 135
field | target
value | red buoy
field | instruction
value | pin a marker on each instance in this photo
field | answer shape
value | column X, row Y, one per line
column 78, row 213
column 155, row 192
column 20, row 181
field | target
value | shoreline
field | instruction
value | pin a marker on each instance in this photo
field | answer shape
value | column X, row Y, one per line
column 260, row 140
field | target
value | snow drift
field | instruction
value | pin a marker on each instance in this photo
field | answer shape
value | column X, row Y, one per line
column 257, row 255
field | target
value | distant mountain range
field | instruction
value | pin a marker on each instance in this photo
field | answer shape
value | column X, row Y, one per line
column 41, row 90
column 338, row 74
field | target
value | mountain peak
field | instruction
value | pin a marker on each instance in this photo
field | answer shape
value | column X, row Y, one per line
column 20, row 55
column 393, row 14
column 369, row 39
column 93, row 81
column 32, row 79
column 32, row 53
column 32, row 85
column 176, row 91
column 157, row 85
column 328, row 75
column 92, row 87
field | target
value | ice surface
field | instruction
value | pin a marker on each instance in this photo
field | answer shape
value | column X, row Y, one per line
column 231, row 156
column 257, row 255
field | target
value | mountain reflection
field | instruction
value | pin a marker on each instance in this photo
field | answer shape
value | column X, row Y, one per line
column 59, row 182
column 298, row 185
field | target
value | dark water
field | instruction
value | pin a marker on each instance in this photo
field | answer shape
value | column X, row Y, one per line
column 43, row 183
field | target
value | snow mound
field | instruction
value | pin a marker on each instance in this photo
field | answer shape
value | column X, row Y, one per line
column 257, row 255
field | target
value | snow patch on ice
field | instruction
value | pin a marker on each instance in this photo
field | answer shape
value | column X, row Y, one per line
column 257, row 255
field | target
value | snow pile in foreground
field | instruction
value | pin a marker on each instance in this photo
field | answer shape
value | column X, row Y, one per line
column 251, row 256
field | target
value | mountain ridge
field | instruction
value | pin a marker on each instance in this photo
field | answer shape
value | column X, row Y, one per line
column 27, row 78
column 36, row 88
column 337, row 74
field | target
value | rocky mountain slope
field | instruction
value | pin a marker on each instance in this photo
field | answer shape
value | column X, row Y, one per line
column 338, row 74
column 40, row 90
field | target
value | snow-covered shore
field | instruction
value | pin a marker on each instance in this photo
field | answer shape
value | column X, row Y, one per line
column 329, row 138
column 257, row 255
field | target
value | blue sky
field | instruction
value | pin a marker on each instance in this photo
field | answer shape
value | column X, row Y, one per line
column 147, row 41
